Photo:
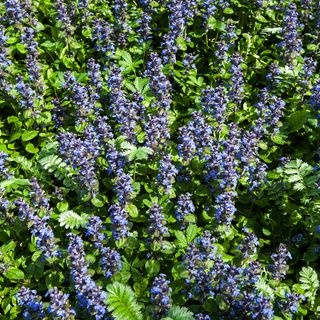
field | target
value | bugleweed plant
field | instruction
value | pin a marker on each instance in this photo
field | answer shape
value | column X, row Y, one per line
column 159, row 159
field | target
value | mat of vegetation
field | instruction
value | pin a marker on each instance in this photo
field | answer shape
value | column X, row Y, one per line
column 159, row 159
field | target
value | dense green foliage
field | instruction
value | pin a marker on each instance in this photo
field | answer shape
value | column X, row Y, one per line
column 129, row 129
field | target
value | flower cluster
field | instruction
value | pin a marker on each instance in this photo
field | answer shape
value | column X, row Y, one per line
column 185, row 206
column 90, row 296
column 120, row 106
column 157, row 228
column 167, row 173
column 279, row 268
column 4, row 171
column 59, row 305
column 111, row 259
column 81, row 154
column 39, row 228
column 210, row 276
column 30, row 301
column 291, row 43
column 160, row 296
column 119, row 220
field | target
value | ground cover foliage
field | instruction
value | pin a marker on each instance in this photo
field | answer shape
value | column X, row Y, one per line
column 159, row 159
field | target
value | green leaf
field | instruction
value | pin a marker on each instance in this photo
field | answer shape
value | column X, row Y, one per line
column 62, row 206
column 191, row 232
column 31, row 148
column 297, row 119
column 29, row 135
column 182, row 240
column 126, row 56
column 142, row 153
column 14, row 274
column 310, row 283
column 228, row 10
column 21, row 48
column 14, row 183
column 122, row 302
column 202, row 191
column 71, row 220
column 153, row 267
column 13, row 119
column 99, row 201
column 51, row 163
column 180, row 313
column 132, row 210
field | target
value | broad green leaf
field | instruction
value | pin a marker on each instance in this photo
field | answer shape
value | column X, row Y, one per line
column 153, row 267
column 132, row 210
column 191, row 232
column 29, row 135
column 14, row 183
column 31, row 148
column 14, row 274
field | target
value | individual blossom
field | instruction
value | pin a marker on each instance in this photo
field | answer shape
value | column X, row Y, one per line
column 279, row 267
column 110, row 261
column 58, row 113
column 94, row 229
column 309, row 68
column 273, row 75
column 27, row 95
column 31, row 303
column 248, row 155
column 90, row 296
column 160, row 296
column 119, row 221
column 5, row 60
column 157, row 228
column 59, row 305
column 32, row 59
column 187, row 145
column 114, row 158
column 269, row 110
